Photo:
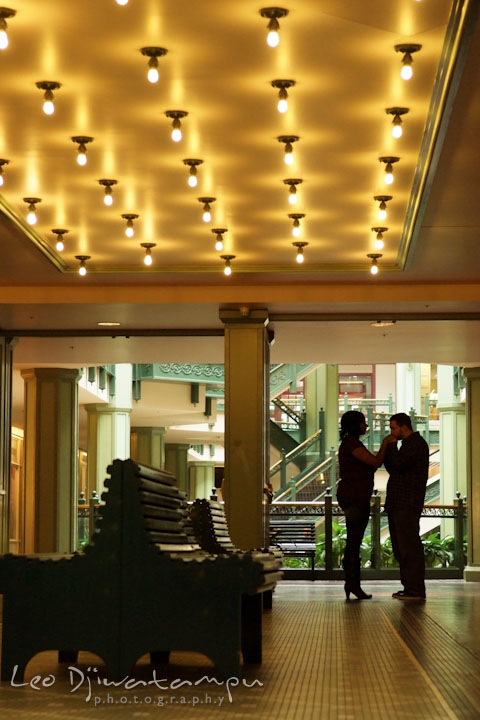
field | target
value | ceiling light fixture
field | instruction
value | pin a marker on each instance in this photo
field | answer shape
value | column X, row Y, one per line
column 374, row 266
column 2, row 163
column 153, row 53
column 207, row 214
column 219, row 233
column 288, row 140
column 292, row 186
column 108, row 184
column 176, row 115
column 282, row 86
column 129, row 217
column 82, row 270
column 59, row 232
column 379, row 244
column 296, row 217
column 32, row 202
column 407, row 49
column 148, row 252
column 48, row 86
column 383, row 323
column 389, row 161
column 82, row 141
column 397, row 120
column 4, row 14
column 300, row 246
column 382, row 208
column 192, row 164
column 119, row 2
column 228, row 268
column 273, row 13
column 108, row 323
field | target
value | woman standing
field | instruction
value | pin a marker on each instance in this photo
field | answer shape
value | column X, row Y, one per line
column 357, row 468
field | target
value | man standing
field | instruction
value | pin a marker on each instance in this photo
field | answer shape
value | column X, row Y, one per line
column 408, row 470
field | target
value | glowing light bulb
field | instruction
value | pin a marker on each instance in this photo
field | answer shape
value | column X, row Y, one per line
column 296, row 232
column 60, row 246
column 374, row 270
column 153, row 75
column 148, row 260
column 1, row 178
column 207, row 216
column 282, row 106
column 192, row 181
column 227, row 269
column 108, row 199
column 48, row 107
column 273, row 38
column 288, row 158
column 176, row 134
column 379, row 244
column 219, row 245
column 122, row 2
column 406, row 72
column 82, row 158
column 129, row 231
column 397, row 131
column 300, row 257
column 31, row 217
column 388, row 178
column 382, row 214
column 292, row 198
column 3, row 40
column 82, row 270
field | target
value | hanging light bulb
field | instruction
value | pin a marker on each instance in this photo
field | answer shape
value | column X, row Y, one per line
column 300, row 246
column 282, row 106
column 153, row 53
column 48, row 86
column 176, row 115
column 374, row 266
column 82, row 270
column 228, row 268
column 192, row 176
column 122, row 2
column 108, row 197
column 296, row 217
column 388, row 161
column 4, row 14
column 129, row 217
column 2, row 163
column 288, row 140
column 206, row 202
column 32, row 203
column 407, row 49
column 292, row 186
column 273, row 13
column 59, row 232
column 382, row 208
column 379, row 244
column 219, row 240
column 82, row 141
column 397, row 120
column 148, row 260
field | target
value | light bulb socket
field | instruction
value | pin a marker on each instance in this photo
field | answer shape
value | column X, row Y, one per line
column 388, row 160
column 192, row 164
column 228, row 259
column 273, row 13
column 379, row 231
column 219, row 232
column 374, row 258
column 148, row 247
column 176, row 116
column 407, row 49
column 383, row 199
column 82, row 141
column 129, row 217
column 32, row 202
column 282, row 86
column 153, row 52
column 48, row 86
column 292, row 184
column 299, row 245
column 83, row 261
column 288, row 140
column 206, row 202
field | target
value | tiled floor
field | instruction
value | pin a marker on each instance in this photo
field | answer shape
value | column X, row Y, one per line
column 324, row 659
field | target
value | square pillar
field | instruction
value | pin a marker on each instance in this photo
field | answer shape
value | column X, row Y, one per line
column 247, row 364
column 176, row 462
column 6, row 364
column 51, row 448
column 472, row 571
column 148, row 446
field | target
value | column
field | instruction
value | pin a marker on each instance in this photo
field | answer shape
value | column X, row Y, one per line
column 472, row 571
column 176, row 462
column 108, row 430
column 247, row 361
column 148, row 446
column 453, row 443
column 321, row 391
column 201, row 478
column 51, row 448
column 409, row 388
column 6, row 363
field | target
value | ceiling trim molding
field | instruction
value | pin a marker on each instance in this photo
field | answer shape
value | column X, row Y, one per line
column 452, row 62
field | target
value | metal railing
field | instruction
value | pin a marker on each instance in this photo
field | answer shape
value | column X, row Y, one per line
column 287, row 458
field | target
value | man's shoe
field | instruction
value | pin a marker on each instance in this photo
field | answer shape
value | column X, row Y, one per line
column 398, row 594
column 402, row 595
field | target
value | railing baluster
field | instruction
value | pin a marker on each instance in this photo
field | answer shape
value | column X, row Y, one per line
column 328, row 530
column 458, row 532
column 376, row 556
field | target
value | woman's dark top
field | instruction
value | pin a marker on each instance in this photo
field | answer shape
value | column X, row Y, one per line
column 356, row 477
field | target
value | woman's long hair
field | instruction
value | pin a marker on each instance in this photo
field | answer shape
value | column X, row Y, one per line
column 350, row 424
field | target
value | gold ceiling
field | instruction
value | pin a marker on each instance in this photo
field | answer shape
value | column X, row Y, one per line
column 219, row 69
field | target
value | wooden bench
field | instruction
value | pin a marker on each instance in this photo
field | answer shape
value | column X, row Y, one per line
column 295, row 538
column 211, row 531
column 141, row 586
